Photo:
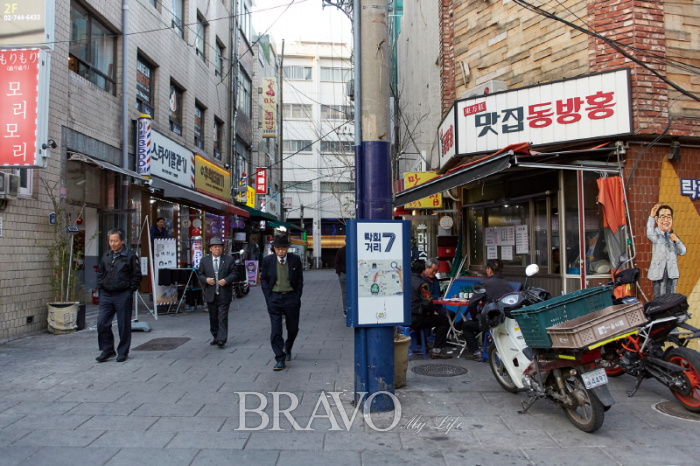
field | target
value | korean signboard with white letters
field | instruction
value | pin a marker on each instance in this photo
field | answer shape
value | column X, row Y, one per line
column 261, row 180
column 269, row 107
column 23, row 107
column 379, row 273
column 27, row 23
column 168, row 160
column 588, row 107
column 446, row 137
column 690, row 187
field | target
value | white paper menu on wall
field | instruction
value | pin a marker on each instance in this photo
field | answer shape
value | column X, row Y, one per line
column 492, row 252
column 506, row 236
column 521, row 240
column 507, row 253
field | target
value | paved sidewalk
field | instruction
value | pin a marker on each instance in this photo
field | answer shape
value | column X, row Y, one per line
column 181, row 407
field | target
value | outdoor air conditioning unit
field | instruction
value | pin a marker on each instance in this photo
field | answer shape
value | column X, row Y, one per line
column 9, row 186
column 350, row 89
column 488, row 87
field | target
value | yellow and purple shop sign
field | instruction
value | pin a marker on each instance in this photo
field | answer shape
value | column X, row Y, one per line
column 211, row 179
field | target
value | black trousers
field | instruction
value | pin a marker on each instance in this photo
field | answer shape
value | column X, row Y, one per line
column 218, row 318
column 470, row 328
column 121, row 304
column 440, row 322
column 287, row 306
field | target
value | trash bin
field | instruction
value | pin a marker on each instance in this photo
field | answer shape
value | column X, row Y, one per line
column 401, row 343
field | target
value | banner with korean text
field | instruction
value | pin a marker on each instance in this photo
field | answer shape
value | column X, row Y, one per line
column 211, row 179
column 162, row 157
column 593, row 106
column 269, row 107
column 261, row 180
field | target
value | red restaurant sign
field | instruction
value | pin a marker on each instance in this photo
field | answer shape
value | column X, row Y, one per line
column 19, row 104
column 261, row 181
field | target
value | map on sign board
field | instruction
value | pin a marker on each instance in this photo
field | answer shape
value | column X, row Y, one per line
column 379, row 278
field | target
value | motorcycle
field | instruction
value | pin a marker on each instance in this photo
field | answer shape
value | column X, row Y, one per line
column 241, row 287
column 571, row 378
column 642, row 354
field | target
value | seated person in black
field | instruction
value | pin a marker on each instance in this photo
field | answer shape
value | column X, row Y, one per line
column 431, row 267
column 424, row 315
column 495, row 287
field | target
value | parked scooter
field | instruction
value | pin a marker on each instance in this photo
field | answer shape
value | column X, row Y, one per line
column 240, row 286
column 643, row 356
column 571, row 378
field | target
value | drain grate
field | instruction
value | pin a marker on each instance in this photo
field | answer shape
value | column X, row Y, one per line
column 162, row 344
column 672, row 408
column 439, row 370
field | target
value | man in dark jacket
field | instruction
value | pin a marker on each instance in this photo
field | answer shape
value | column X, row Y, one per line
column 282, row 282
column 118, row 276
column 340, row 271
column 424, row 314
column 216, row 273
column 495, row 286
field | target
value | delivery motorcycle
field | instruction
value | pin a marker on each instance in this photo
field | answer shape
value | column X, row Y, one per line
column 659, row 349
column 571, row 378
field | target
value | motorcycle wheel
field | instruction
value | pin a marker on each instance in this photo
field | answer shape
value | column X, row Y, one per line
column 614, row 371
column 689, row 396
column 245, row 289
column 589, row 413
column 237, row 290
column 500, row 371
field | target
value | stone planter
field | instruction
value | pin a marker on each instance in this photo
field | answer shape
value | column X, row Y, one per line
column 63, row 317
column 401, row 343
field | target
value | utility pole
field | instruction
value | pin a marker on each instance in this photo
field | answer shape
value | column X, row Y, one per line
column 280, row 141
column 124, row 204
column 374, row 346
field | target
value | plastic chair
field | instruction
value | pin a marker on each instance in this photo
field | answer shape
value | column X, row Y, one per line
column 414, row 347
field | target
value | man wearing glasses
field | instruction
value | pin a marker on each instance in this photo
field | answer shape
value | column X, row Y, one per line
column 666, row 247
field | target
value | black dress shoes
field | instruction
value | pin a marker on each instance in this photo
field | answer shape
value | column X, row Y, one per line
column 214, row 342
column 105, row 356
column 220, row 344
column 279, row 366
column 122, row 358
column 288, row 356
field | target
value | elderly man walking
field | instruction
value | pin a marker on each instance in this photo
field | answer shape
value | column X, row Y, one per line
column 216, row 272
column 118, row 276
column 282, row 281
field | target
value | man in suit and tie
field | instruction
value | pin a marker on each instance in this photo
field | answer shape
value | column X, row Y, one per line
column 282, row 281
column 216, row 272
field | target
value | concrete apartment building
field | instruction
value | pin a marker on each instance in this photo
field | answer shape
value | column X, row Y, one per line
column 319, row 160
column 181, row 71
column 532, row 50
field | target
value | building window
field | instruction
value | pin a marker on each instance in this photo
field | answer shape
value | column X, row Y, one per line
column 244, row 95
column 144, row 86
column 338, row 147
column 176, row 22
column 219, row 60
column 298, row 186
column 297, row 111
column 175, row 109
column 336, row 112
column 199, row 126
column 25, row 181
column 337, row 187
column 244, row 22
column 340, row 75
column 200, row 40
column 300, row 73
column 92, row 49
column 295, row 145
column 218, row 138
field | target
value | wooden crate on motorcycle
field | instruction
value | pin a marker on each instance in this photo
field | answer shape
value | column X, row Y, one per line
column 534, row 320
column 597, row 326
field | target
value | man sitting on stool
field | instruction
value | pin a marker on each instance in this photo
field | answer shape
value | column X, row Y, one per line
column 424, row 315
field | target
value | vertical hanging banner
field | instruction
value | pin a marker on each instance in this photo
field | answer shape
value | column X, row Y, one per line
column 261, row 180
column 269, row 107
column 145, row 145
column 23, row 107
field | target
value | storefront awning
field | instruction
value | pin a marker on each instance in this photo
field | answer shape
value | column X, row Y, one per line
column 255, row 213
column 187, row 195
column 78, row 157
column 476, row 170
column 287, row 225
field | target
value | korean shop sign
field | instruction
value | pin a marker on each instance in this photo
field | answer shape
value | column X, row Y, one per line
column 25, row 23
column 413, row 179
column 446, row 137
column 269, row 107
column 211, row 179
column 170, row 161
column 22, row 96
column 261, row 180
column 589, row 107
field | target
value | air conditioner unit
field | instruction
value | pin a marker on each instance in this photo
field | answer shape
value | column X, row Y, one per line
column 9, row 186
column 350, row 89
column 488, row 87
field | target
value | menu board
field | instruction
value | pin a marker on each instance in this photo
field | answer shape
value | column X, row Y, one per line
column 507, row 253
column 492, row 252
column 492, row 236
column 521, row 240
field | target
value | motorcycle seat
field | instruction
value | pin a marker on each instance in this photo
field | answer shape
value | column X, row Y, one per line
column 668, row 305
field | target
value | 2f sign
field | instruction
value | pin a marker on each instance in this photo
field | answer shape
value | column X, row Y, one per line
column 373, row 241
column 10, row 8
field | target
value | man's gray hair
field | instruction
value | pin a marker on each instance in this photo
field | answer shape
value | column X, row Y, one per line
column 431, row 262
column 116, row 231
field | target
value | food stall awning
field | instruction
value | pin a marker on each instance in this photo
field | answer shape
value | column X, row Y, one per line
column 255, row 213
column 78, row 157
column 287, row 225
column 458, row 176
column 176, row 192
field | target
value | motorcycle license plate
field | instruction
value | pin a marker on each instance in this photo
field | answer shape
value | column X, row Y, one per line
column 595, row 378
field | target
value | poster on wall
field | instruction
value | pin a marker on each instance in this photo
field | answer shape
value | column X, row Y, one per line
column 521, row 240
column 251, row 268
column 164, row 257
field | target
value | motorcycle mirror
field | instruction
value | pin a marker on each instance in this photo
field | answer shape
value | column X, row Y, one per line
column 478, row 288
column 241, row 251
column 622, row 259
column 531, row 270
